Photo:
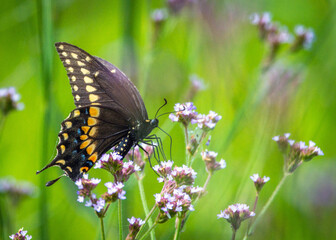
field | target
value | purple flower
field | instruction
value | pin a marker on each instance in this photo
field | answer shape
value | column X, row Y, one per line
column 304, row 37
column 206, row 122
column 209, row 157
column 85, row 186
column 134, row 227
column 283, row 142
column 235, row 214
column 258, row 181
column 184, row 113
column 183, row 175
column 20, row 235
column 159, row 15
column 9, row 100
column 114, row 192
column 164, row 170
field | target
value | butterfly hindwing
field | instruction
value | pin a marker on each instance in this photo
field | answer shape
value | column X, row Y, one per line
column 85, row 135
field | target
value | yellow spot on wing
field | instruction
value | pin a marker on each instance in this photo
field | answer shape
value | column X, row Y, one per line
column 94, row 111
column 77, row 97
column 91, row 148
column 62, row 147
column 83, row 137
column 73, row 78
column 80, row 63
column 62, row 162
column 65, row 136
column 88, row 79
column 93, row 157
column 113, row 71
column 85, row 71
column 69, row 168
column 93, row 97
column 84, row 169
column 74, row 55
column 76, row 113
column 61, row 47
column 75, row 87
column 85, row 144
column 67, row 61
column 92, row 121
column 88, row 59
column 96, row 74
column 68, row 124
column 90, row 88
column 93, row 131
column 85, row 129
column 71, row 69
column 64, row 54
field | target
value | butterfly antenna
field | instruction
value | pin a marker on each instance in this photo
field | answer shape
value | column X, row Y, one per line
column 161, row 107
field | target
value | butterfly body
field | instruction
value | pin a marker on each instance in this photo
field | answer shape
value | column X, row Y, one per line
column 109, row 113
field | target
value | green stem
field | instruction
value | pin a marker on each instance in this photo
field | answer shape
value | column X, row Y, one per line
column 178, row 228
column 120, row 219
column 148, row 231
column 251, row 219
column 233, row 234
column 270, row 200
column 2, row 124
column 147, row 219
column 102, row 227
column 145, row 206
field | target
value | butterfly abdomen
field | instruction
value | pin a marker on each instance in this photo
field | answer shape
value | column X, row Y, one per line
column 124, row 145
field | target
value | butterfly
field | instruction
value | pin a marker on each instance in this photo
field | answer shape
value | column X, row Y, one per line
column 109, row 113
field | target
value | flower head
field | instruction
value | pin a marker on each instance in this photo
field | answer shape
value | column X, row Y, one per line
column 235, row 214
column 114, row 192
column 16, row 190
column 258, row 181
column 134, row 227
column 9, row 100
column 183, row 175
column 206, row 122
column 85, row 186
column 209, row 157
column 282, row 141
column 20, row 235
column 164, row 170
column 184, row 113
column 304, row 38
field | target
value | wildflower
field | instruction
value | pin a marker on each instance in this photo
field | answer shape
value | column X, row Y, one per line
column 304, row 37
column 300, row 153
column 134, row 227
column 184, row 113
column 192, row 145
column 97, row 204
column 197, row 84
column 159, row 16
column 111, row 162
column 164, row 170
column 16, row 190
column 114, row 192
column 9, row 100
column 183, row 175
column 258, row 181
column 235, row 214
column 282, row 142
column 206, row 122
column 171, row 204
column 209, row 157
column 263, row 21
column 20, row 235
column 86, row 186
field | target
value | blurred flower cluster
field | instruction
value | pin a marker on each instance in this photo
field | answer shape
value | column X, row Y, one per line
column 20, row 235
column 9, row 100
column 235, row 214
column 295, row 153
column 277, row 35
column 16, row 190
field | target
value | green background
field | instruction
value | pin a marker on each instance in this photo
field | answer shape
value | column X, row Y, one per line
column 212, row 39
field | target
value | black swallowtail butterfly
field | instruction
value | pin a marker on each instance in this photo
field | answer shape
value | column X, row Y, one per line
column 109, row 113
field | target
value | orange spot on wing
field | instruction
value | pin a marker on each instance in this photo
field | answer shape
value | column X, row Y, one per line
column 85, row 129
column 94, row 157
column 85, row 144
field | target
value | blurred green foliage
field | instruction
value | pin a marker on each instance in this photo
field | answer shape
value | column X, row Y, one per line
column 214, row 40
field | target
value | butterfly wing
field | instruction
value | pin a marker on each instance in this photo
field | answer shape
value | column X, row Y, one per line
column 96, row 81
column 108, row 106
